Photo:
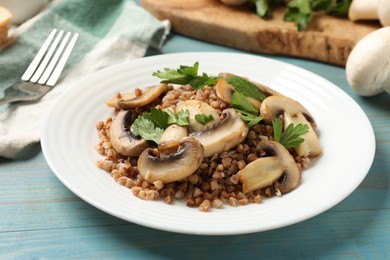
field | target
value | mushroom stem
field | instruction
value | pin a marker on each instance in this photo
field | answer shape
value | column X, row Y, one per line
column 311, row 145
column 259, row 174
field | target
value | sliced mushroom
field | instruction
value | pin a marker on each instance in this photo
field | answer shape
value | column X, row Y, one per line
column 279, row 168
column 122, row 140
column 225, row 91
column 293, row 112
column 224, row 135
column 113, row 102
column 132, row 100
column 172, row 133
column 196, row 107
column 174, row 167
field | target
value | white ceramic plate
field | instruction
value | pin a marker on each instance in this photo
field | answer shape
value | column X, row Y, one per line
column 69, row 137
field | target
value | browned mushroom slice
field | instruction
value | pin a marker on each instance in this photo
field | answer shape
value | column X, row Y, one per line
column 122, row 140
column 113, row 102
column 196, row 107
column 225, row 91
column 278, row 168
column 171, row 137
column 293, row 112
column 148, row 95
column 174, row 167
column 224, row 135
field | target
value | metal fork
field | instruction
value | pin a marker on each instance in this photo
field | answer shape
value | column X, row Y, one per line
column 44, row 70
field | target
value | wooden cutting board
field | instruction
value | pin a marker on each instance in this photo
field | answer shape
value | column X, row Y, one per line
column 328, row 39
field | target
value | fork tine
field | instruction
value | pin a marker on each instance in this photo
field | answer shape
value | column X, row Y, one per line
column 53, row 61
column 46, row 59
column 61, row 64
column 38, row 57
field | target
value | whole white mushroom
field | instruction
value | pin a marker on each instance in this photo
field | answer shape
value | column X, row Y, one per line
column 384, row 12
column 363, row 10
column 368, row 65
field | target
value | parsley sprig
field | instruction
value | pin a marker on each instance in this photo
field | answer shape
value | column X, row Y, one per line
column 243, row 89
column 246, row 87
column 291, row 136
column 186, row 75
column 151, row 125
column 301, row 11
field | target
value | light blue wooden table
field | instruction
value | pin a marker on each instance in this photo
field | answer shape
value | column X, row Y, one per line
column 41, row 219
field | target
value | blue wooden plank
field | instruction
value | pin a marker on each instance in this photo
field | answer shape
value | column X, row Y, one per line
column 339, row 235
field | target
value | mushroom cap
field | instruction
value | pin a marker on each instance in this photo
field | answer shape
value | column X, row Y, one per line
column 291, row 176
column 273, row 106
column 148, row 95
column 122, row 140
column 174, row 167
column 368, row 65
column 363, row 10
column 384, row 12
column 224, row 135
column 195, row 107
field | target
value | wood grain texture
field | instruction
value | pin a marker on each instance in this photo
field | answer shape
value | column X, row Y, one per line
column 328, row 39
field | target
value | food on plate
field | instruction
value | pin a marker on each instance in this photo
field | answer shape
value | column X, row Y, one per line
column 208, row 140
column 5, row 23
column 367, row 68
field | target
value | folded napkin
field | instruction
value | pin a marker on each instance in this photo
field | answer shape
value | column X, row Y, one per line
column 110, row 32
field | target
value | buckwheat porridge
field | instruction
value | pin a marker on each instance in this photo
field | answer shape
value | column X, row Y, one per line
column 208, row 140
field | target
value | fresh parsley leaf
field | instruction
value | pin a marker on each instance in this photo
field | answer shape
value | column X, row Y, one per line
column 277, row 126
column 186, row 75
column 340, row 8
column 246, row 87
column 203, row 119
column 151, row 125
column 159, row 117
column 262, row 8
column 248, row 117
column 239, row 101
column 182, row 117
column 202, row 81
column 299, row 11
column 291, row 136
column 171, row 116
column 190, row 71
column 173, row 76
column 147, row 129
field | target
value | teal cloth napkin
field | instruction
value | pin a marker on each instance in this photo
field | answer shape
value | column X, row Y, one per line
column 110, row 32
